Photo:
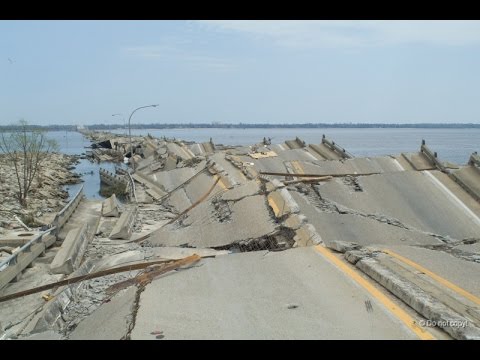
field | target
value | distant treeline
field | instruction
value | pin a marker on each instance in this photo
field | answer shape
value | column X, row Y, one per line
column 284, row 126
column 248, row 126
column 40, row 127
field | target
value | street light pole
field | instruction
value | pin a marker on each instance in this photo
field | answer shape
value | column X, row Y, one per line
column 124, row 123
column 130, row 132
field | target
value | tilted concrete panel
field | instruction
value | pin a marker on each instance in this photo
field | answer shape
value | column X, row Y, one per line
column 124, row 226
column 71, row 252
column 110, row 207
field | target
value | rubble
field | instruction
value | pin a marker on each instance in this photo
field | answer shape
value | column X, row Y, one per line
column 256, row 215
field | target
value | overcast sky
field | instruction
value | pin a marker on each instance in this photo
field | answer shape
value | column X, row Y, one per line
column 82, row 72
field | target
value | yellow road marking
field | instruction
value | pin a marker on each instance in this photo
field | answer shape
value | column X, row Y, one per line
column 394, row 309
column 273, row 205
column 298, row 168
column 434, row 276
column 221, row 183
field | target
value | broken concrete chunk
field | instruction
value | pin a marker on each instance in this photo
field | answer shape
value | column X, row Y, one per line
column 294, row 221
column 70, row 255
column 306, row 236
column 110, row 207
column 342, row 246
column 124, row 226
column 282, row 203
column 274, row 184
column 111, row 321
column 422, row 301
column 353, row 256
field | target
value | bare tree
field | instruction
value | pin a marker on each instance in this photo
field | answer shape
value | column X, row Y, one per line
column 26, row 149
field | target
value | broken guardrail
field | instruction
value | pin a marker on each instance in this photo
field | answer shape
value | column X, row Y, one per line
column 131, row 188
column 63, row 215
column 432, row 156
column 474, row 159
column 12, row 267
column 112, row 179
column 334, row 147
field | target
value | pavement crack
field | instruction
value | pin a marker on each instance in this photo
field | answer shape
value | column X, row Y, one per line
column 326, row 205
column 458, row 253
column 135, row 307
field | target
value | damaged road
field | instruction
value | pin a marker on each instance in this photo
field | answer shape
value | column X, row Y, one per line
column 263, row 218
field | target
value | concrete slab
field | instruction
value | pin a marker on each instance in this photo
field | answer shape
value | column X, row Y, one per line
column 46, row 335
column 180, row 150
column 110, row 207
column 472, row 248
column 267, row 164
column 293, row 294
column 458, row 271
column 418, row 161
column 124, row 226
column 413, row 198
column 127, row 257
column 297, row 154
column 88, row 211
column 199, row 186
column 325, row 152
column 359, row 166
column 246, row 219
column 250, row 188
column 111, row 321
column 454, row 190
column 70, row 254
column 173, row 178
column 202, row 148
column 154, row 189
column 282, row 203
column 295, row 144
column 469, row 178
column 179, row 200
column 21, row 308
column 332, row 226
column 235, row 173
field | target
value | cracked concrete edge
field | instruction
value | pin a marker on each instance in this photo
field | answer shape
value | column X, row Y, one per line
column 307, row 235
column 51, row 317
column 419, row 300
column 328, row 205
column 343, row 246
column 450, row 248
column 287, row 197
column 135, row 308
column 216, row 169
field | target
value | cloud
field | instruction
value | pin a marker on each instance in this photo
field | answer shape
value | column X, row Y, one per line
column 178, row 55
column 353, row 33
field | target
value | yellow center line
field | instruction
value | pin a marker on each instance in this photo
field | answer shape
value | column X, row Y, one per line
column 436, row 277
column 394, row 309
column 221, row 183
column 298, row 168
column 274, row 206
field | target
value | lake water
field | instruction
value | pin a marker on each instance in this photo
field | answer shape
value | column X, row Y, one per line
column 455, row 145
column 74, row 143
